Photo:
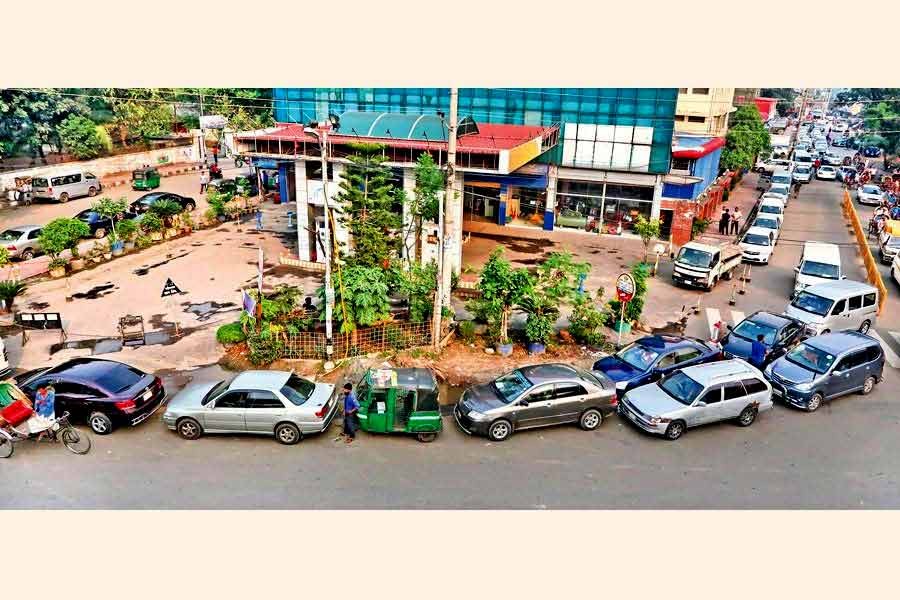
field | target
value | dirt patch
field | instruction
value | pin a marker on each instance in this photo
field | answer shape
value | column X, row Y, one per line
column 512, row 244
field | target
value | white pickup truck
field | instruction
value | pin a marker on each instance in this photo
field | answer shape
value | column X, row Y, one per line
column 703, row 262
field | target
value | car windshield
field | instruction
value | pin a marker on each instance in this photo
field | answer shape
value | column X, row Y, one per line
column 10, row 235
column 870, row 189
column 215, row 391
column 811, row 358
column 767, row 223
column 771, row 209
column 749, row 330
column 781, row 178
column 802, row 169
column 818, row 269
column 779, row 189
column 756, row 239
column 511, row 386
column 811, row 303
column 681, row 387
column 638, row 356
column 893, row 241
column 694, row 257
column 298, row 390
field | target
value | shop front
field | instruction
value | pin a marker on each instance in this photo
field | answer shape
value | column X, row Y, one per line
column 505, row 200
column 607, row 207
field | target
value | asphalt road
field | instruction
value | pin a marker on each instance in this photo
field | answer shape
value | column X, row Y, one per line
column 846, row 455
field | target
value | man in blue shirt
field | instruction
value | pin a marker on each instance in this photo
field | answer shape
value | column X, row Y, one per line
column 350, row 408
column 758, row 351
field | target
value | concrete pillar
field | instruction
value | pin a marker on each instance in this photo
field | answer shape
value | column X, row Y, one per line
column 504, row 197
column 302, row 209
column 453, row 219
column 657, row 197
column 408, row 233
column 341, row 234
column 550, row 204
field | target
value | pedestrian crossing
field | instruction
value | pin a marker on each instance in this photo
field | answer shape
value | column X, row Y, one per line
column 733, row 317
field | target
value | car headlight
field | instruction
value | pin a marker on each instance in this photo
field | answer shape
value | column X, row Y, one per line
column 476, row 416
column 658, row 420
column 803, row 387
column 621, row 385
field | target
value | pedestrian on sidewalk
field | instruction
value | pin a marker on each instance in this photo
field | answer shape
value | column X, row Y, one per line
column 204, row 180
column 736, row 221
column 723, row 222
column 350, row 408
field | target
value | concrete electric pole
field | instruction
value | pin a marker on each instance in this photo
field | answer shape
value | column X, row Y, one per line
column 322, row 134
column 446, row 212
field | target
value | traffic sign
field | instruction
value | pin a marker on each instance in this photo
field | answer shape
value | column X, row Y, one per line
column 625, row 286
column 169, row 289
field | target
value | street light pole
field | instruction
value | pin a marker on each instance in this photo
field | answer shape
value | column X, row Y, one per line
column 322, row 134
column 445, row 269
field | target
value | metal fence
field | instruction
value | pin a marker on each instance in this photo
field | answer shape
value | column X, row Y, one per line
column 382, row 338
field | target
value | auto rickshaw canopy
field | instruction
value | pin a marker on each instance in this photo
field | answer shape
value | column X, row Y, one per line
column 145, row 173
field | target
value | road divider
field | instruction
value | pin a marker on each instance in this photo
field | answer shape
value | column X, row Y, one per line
column 872, row 272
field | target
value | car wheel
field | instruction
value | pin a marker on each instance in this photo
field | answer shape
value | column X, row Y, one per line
column 64, row 197
column 500, row 430
column 868, row 385
column 864, row 328
column 189, row 206
column 100, row 423
column 100, row 233
column 814, row 403
column 189, row 429
column 287, row 434
column 426, row 437
column 747, row 417
column 674, row 430
column 92, row 191
column 590, row 419
column 27, row 254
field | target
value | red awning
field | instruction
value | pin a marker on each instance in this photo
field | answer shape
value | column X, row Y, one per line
column 699, row 150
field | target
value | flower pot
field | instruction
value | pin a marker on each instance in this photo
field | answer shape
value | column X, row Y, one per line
column 118, row 248
column 622, row 326
column 107, row 255
column 77, row 264
column 57, row 272
column 504, row 349
column 536, row 348
column 156, row 236
column 129, row 246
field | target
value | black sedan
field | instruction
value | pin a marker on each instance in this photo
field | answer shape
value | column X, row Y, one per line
column 100, row 225
column 102, row 393
column 536, row 396
column 780, row 334
column 143, row 204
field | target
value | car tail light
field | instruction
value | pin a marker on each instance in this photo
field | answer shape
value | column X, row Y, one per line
column 11, row 248
column 125, row 405
column 615, row 400
column 49, row 190
column 320, row 414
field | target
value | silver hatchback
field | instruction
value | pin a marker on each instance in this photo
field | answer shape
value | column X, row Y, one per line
column 719, row 391
column 274, row 403
column 22, row 242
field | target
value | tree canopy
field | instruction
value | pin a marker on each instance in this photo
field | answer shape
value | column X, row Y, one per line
column 747, row 138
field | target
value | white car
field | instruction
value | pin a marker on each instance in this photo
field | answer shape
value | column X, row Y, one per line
column 869, row 194
column 803, row 173
column 773, row 196
column 895, row 269
column 826, row 172
column 757, row 245
column 771, row 223
column 771, row 165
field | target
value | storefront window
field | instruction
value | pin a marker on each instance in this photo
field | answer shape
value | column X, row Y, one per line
column 527, row 205
column 582, row 205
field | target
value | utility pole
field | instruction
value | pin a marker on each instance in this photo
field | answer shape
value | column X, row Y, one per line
column 803, row 99
column 202, row 133
column 329, row 291
column 445, row 269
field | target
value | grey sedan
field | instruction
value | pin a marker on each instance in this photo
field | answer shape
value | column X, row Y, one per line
column 274, row 403
column 22, row 242
column 536, row 396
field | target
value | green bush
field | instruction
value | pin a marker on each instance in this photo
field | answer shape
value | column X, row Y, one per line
column 264, row 351
column 586, row 321
column 79, row 136
column 62, row 234
column 467, row 331
column 9, row 289
column 4, row 256
column 230, row 334
column 698, row 227
column 539, row 328
column 151, row 223
column 127, row 229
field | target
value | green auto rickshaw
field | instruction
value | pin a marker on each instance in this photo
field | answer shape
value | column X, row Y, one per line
column 145, row 179
column 399, row 401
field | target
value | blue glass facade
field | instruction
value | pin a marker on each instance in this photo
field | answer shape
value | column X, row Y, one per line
column 632, row 107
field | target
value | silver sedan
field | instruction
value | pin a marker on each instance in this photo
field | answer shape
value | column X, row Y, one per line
column 274, row 403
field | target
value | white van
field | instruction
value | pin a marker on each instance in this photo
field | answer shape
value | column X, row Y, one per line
column 65, row 185
column 5, row 369
column 836, row 306
column 819, row 263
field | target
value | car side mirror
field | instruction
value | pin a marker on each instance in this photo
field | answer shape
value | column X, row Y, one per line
column 796, row 269
column 843, row 277
column 837, row 373
column 523, row 402
column 700, row 403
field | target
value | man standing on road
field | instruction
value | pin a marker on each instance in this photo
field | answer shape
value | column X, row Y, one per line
column 758, row 351
column 204, row 180
column 350, row 408
column 736, row 221
column 723, row 222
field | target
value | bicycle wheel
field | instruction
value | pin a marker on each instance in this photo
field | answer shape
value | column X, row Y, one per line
column 6, row 447
column 76, row 442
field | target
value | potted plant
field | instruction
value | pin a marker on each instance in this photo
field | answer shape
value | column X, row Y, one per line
column 186, row 222
column 210, row 216
column 77, row 262
column 9, row 289
column 127, row 230
column 152, row 225
column 106, row 249
column 114, row 211
column 557, row 280
column 501, row 287
column 167, row 211
column 539, row 323
column 142, row 241
column 96, row 253
column 59, row 235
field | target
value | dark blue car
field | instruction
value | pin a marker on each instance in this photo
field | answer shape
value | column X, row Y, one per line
column 649, row 358
column 779, row 332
